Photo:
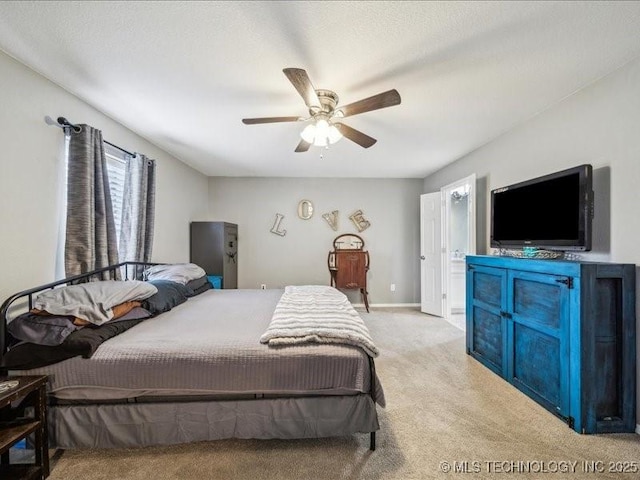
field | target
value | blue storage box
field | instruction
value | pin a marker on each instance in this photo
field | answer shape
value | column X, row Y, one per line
column 215, row 280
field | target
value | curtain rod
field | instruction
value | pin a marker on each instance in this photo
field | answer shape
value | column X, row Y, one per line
column 64, row 123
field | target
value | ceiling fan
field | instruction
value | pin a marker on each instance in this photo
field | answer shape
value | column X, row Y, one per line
column 324, row 111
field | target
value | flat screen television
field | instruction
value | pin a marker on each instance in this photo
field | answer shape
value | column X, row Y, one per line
column 552, row 212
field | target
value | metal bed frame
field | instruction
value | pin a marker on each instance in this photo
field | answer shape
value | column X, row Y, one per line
column 23, row 301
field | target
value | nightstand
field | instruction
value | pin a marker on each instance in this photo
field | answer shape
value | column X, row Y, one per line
column 30, row 392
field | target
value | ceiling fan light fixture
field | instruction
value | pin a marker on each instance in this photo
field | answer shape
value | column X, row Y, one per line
column 321, row 133
column 309, row 133
column 322, row 127
column 334, row 134
column 321, row 141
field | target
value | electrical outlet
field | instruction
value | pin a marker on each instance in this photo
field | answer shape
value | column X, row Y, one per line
column 263, row 286
column 393, row 287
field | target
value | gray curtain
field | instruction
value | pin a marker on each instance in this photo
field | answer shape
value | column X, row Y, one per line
column 90, row 234
column 138, row 210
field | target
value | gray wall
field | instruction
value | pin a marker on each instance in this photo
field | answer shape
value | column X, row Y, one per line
column 29, row 165
column 300, row 257
column 599, row 125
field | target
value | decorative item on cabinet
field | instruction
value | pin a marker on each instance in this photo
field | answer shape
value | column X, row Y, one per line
column 562, row 332
column 214, row 247
column 348, row 265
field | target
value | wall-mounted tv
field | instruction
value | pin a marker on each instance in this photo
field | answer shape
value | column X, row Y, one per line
column 552, row 212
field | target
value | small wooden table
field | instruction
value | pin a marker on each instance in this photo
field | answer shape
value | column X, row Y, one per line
column 31, row 390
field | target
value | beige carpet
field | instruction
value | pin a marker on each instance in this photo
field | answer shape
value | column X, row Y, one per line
column 443, row 406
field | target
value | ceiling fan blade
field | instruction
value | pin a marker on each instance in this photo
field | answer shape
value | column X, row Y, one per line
column 303, row 146
column 382, row 100
column 253, row 121
column 354, row 135
column 299, row 78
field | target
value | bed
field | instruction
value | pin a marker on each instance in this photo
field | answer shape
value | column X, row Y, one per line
column 199, row 372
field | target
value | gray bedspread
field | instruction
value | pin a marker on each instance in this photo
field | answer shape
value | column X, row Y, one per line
column 210, row 345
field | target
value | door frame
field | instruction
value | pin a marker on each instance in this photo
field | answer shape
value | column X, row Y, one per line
column 446, row 192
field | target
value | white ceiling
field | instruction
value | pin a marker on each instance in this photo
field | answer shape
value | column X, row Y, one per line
column 184, row 74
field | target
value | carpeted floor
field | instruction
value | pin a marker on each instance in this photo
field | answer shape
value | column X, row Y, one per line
column 442, row 406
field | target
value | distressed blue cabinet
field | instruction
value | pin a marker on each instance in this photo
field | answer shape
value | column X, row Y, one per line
column 562, row 332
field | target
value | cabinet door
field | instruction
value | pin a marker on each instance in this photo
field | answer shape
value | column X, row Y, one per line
column 206, row 242
column 486, row 324
column 537, row 330
column 350, row 268
column 230, row 259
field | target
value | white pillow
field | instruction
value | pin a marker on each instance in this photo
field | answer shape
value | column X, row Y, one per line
column 93, row 301
column 175, row 272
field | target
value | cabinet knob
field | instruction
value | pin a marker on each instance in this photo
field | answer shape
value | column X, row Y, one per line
column 421, row 257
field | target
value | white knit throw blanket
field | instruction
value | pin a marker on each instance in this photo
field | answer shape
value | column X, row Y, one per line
column 317, row 314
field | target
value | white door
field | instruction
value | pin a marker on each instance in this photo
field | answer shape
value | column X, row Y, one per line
column 431, row 254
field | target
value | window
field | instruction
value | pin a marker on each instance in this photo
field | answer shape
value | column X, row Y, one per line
column 117, row 169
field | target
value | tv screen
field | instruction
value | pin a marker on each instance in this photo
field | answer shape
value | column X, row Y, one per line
column 551, row 212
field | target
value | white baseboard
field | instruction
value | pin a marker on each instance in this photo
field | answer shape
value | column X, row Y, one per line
column 387, row 305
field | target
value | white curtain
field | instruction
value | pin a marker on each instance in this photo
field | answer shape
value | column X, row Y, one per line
column 62, row 207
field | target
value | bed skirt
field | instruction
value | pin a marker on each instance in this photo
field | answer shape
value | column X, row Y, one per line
column 146, row 424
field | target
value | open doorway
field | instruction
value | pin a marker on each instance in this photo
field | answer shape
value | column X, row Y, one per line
column 459, row 240
column 448, row 235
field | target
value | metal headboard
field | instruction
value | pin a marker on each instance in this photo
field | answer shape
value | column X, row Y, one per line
column 12, row 306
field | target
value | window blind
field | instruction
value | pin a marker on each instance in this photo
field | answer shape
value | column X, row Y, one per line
column 117, row 169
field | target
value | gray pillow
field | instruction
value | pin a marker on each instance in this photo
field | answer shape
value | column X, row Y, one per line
column 198, row 282
column 93, row 301
column 169, row 295
column 201, row 289
column 181, row 273
column 136, row 313
column 41, row 329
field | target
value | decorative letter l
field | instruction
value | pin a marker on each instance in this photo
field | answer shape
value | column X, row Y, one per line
column 276, row 226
